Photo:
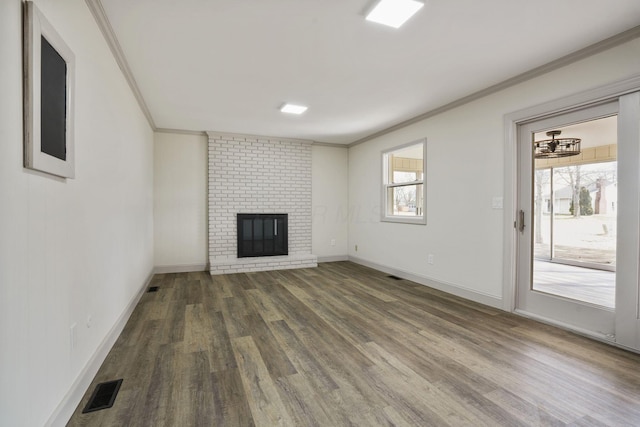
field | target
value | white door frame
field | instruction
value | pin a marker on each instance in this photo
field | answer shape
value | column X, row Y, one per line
column 511, row 179
column 627, row 297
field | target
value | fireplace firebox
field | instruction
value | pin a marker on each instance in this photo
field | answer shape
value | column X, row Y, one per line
column 262, row 235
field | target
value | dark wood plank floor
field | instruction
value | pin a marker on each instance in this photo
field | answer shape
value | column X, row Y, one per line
column 345, row 345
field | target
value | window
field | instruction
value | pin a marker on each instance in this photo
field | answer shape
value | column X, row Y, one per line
column 403, row 189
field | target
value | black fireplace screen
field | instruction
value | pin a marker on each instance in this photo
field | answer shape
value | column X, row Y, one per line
column 262, row 235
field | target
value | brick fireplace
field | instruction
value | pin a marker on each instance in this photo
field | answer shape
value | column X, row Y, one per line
column 252, row 174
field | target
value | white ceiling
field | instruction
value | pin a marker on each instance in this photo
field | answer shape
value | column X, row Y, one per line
column 593, row 133
column 228, row 65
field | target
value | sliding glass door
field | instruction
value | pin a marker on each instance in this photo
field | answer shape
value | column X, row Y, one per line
column 564, row 270
column 579, row 222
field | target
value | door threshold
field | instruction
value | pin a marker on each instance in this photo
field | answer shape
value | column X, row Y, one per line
column 599, row 336
column 603, row 338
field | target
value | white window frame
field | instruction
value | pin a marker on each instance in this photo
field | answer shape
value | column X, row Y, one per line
column 386, row 185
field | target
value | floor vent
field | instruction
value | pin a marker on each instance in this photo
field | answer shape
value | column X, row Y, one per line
column 153, row 289
column 394, row 277
column 103, row 396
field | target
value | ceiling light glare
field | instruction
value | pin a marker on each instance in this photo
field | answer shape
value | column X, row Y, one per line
column 394, row 13
column 293, row 109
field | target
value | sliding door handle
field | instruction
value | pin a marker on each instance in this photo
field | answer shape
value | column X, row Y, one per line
column 521, row 221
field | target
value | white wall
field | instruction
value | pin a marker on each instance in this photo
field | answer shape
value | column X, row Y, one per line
column 465, row 169
column 180, row 205
column 330, row 201
column 180, row 202
column 68, row 249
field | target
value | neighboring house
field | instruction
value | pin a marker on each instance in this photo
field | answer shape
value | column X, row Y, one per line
column 604, row 199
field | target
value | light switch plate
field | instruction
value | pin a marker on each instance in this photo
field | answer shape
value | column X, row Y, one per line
column 497, row 202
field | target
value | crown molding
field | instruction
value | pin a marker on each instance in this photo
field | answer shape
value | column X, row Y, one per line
column 330, row 144
column 181, row 131
column 583, row 53
column 211, row 134
column 99, row 14
column 230, row 136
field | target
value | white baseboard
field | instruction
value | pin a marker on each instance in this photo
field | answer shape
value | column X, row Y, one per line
column 334, row 258
column 449, row 288
column 181, row 268
column 67, row 406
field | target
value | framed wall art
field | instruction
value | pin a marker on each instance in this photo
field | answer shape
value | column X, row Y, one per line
column 49, row 74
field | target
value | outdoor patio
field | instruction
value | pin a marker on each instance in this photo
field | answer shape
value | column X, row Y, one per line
column 583, row 284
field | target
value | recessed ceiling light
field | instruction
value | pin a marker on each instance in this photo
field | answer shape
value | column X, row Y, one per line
column 394, row 13
column 293, row 109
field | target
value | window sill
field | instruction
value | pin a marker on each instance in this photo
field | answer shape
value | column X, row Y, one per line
column 421, row 220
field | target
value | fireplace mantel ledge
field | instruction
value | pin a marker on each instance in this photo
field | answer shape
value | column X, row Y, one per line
column 227, row 265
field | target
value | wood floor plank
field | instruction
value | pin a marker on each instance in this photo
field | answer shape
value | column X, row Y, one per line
column 212, row 294
column 173, row 325
column 230, row 401
column 301, row 357
column 519, row 375
column 234, row 311
column 528, row 413
column 197, row 333
column 266, row 406
column 294, row 311
column 263, row 305
column 345, row 345
column 239, row 283
column 395, row 418
column 588, row 421
column 410, row 385
column 307, row 411
column 367, row 288
column 221, row 356
column 159, row 392
column 195, row 403
column 179, row 288
column 193, row 291
column 274, row 357
column 346, row 366
column 222, row 284
column 354, row 404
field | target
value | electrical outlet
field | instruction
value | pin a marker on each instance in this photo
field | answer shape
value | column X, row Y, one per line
column 430, row 259
column 89, row 321
column 333, row 242
column 356, row 248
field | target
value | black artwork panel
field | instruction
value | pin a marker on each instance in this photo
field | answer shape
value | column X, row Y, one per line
column 53, row 102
